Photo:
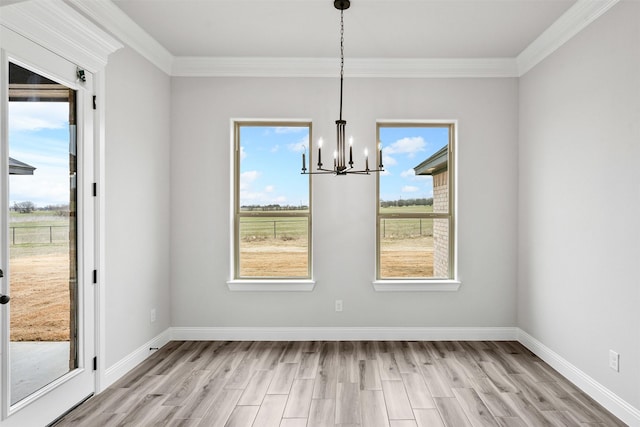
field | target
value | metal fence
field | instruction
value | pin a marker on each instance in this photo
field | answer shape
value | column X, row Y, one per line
column 21, row 235
column 405, row 227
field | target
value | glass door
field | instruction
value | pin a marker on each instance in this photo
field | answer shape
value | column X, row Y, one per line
column 47, row 315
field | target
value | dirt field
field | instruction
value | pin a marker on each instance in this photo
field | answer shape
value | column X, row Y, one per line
column 400, row 258
column 40, row 297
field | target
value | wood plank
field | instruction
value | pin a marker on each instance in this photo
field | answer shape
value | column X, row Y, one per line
column 374, row 410
column 348, row 404
column 475, row 409
column 299, row 402
column 283, row 378
column 395, row 396
column 257, row 388
column 428, row 418
column 369, row 375
column 403, row 423
column 419, row 395
column 242, row 416
column 270, row 412
column 221, row 408
column 322, row 413
column 293, row 422
column 451, row 412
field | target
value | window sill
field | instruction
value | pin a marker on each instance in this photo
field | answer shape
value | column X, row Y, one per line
column 266, row 285
column 416, row 285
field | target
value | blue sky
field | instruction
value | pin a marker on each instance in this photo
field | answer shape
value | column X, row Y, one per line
column 271, row 159
column 270, row 165
column 39, row 136
column 404, row 148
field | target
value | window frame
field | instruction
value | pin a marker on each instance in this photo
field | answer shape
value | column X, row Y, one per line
column 265, row 283
column 451, row 282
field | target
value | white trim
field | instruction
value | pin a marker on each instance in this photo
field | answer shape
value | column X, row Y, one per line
column 356, row 67
column 574, row 20
column 99, row 172
column 123, row 27
column 343, row 333
column 62, row 30
column 416, row 285
column 612, row 402
column 287, row 285
column 133, row 359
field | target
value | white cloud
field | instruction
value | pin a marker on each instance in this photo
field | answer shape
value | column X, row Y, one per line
column 409, row 173
column 269, row 189
column 289, row 129
column 300, row 146
column 410, row 189
column 275, row 148
column 246, row 178
column 32, row 116
column 408, row 146
column 243, row 154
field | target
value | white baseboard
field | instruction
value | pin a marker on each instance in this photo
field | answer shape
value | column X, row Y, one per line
column 133, row 359
column 617, row 406
column 343, row 334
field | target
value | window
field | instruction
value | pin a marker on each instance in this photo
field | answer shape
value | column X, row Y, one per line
column 272, row 217
column 415, row 223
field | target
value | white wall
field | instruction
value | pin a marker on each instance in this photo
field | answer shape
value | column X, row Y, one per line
column 137, row 203
column 579, row 200
column 343, row 207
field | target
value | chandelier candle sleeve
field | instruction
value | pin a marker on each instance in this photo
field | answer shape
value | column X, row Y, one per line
column 366, row 160
column 304, row 163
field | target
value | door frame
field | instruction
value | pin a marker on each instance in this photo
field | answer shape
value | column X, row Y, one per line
column 60, row 29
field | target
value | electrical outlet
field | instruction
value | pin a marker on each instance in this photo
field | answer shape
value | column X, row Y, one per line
column 614, row 360
column 152, row 315
column 338, row 305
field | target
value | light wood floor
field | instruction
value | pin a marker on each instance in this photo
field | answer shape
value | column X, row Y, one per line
column 315, row 384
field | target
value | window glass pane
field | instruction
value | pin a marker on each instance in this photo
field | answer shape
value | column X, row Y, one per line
column 414, row 248
column 272, row 205
column 406, row 247
column 415, row 159
column 273, row 246
column 270, row 162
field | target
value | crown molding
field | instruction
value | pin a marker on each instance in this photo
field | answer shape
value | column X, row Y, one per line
column 574, row 20
column 62, row 30
column 107, row 14
column 354, row 67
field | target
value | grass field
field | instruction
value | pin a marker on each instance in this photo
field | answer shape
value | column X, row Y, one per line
column 39, row 277
column 40, row 269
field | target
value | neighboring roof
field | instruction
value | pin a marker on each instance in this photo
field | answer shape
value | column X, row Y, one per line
column 16, row 167
column 438, row 162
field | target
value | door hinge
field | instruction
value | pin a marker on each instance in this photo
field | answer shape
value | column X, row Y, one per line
column 95, row 104
column 95, row 276
column 95, row 189
column 95, row 363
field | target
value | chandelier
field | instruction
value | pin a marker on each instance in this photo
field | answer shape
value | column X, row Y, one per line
column 339, row 155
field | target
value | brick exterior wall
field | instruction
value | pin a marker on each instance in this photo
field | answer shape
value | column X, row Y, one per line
column 441, row 226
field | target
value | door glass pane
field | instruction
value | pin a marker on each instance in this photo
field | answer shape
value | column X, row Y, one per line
column 42, row 231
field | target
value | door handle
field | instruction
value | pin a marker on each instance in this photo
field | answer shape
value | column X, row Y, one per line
column 3, row 298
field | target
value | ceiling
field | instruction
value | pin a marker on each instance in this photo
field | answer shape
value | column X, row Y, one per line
column 373, row 28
